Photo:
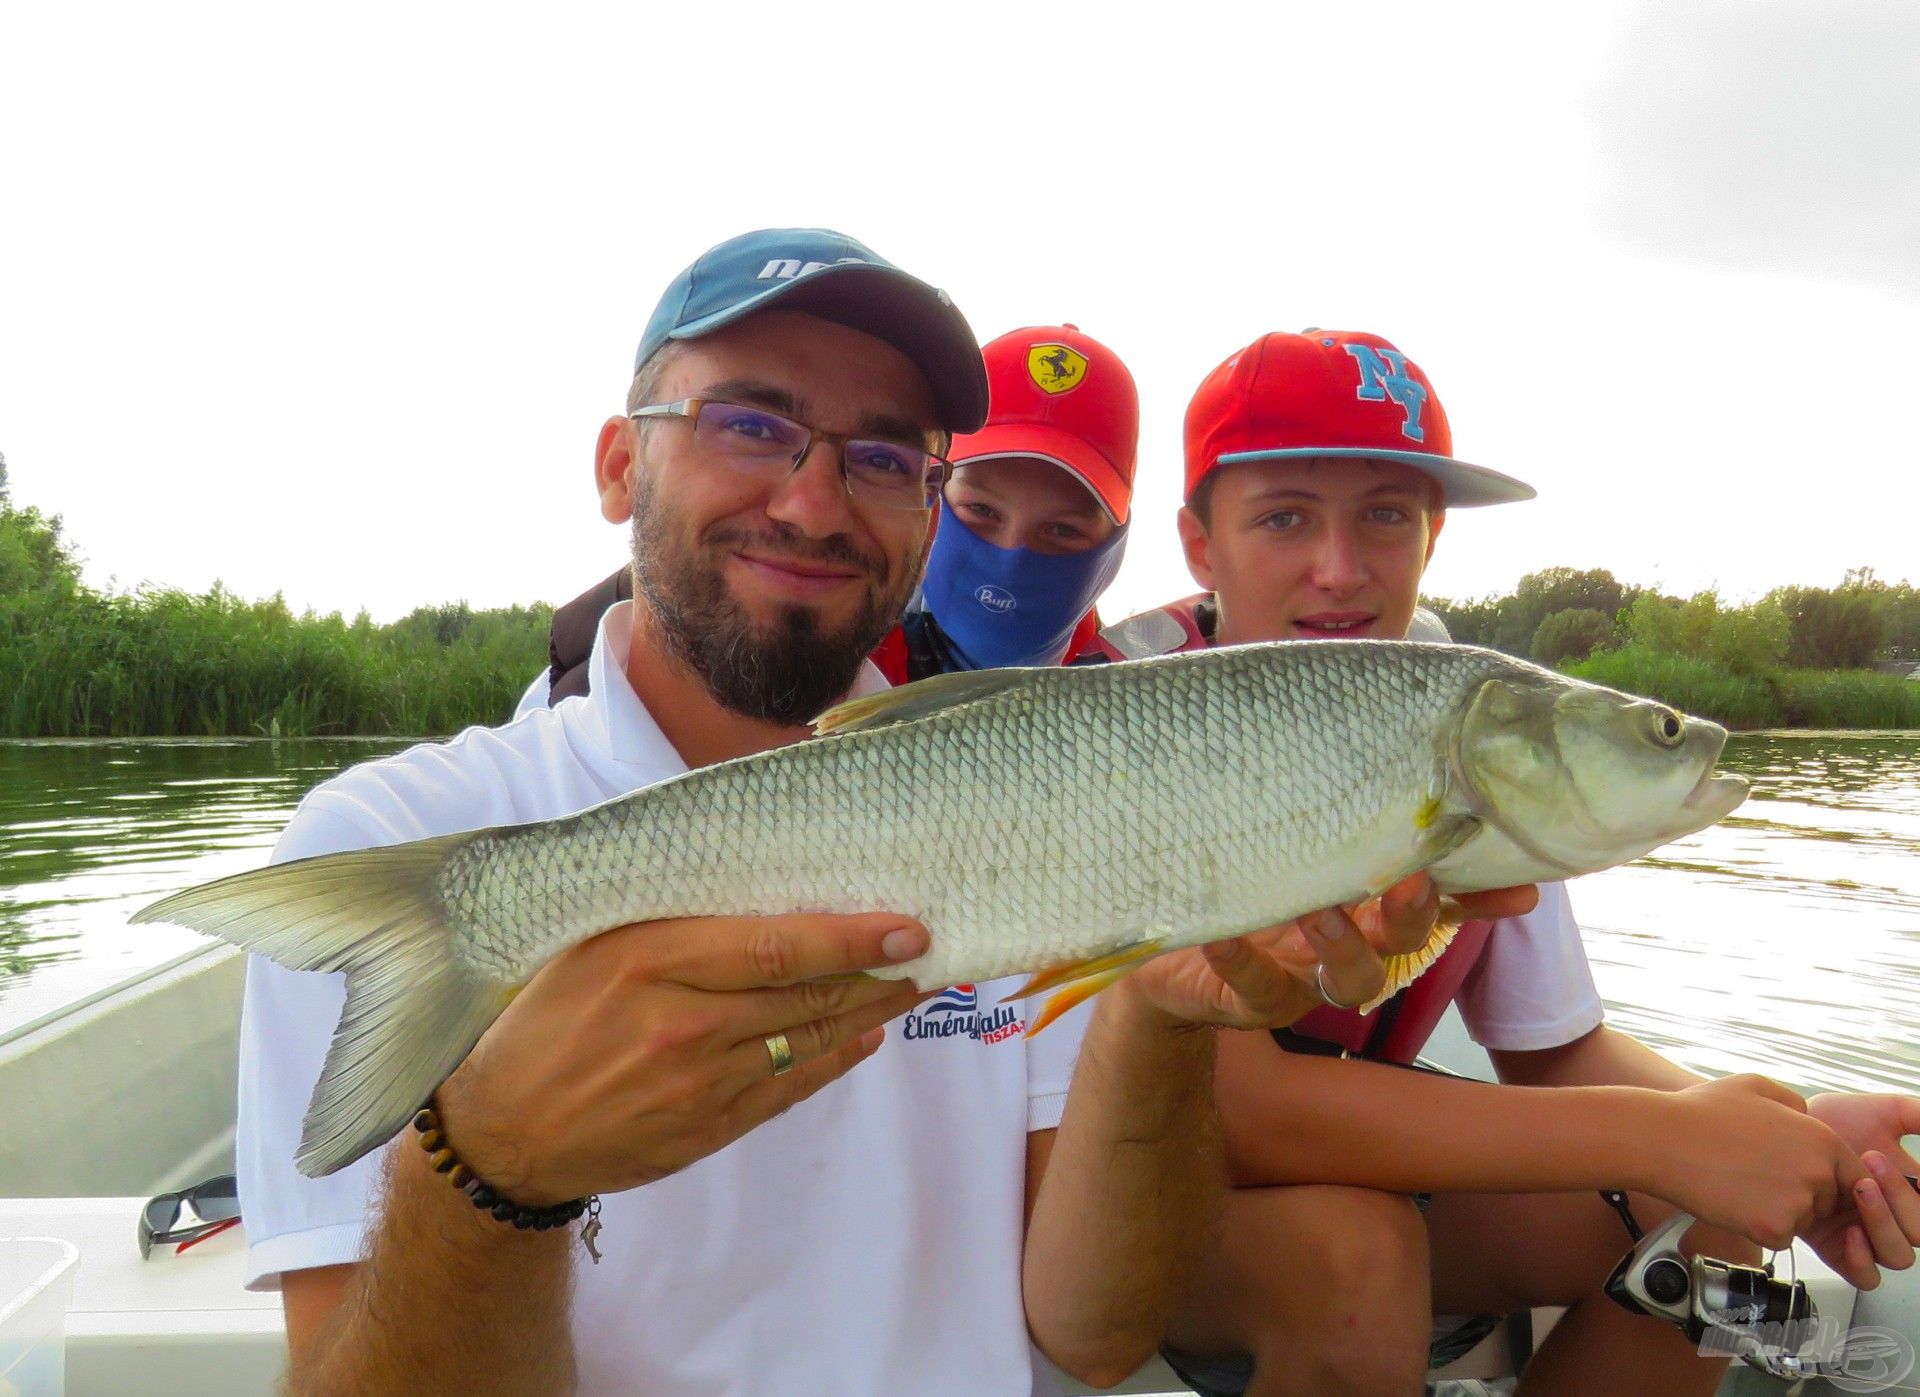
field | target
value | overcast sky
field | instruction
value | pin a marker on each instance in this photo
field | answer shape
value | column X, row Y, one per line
column 332, row 301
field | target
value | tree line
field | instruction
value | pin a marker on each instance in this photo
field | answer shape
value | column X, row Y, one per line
column 1798, row 657
column 158, row 661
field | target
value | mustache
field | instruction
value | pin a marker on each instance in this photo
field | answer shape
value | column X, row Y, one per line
column 786, row 541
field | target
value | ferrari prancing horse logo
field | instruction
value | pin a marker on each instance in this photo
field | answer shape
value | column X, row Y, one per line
column 1054, row 368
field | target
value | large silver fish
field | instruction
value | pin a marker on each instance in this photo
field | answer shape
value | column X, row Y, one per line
column 1074, row 821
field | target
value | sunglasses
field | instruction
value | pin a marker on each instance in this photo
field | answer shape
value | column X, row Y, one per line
column 190, row 1216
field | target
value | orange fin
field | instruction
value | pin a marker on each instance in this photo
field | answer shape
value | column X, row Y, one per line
column 1404, row 969
column 1079, row 991
column 1067, row 971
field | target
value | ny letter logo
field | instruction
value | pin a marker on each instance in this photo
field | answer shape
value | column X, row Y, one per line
column 1383, row 375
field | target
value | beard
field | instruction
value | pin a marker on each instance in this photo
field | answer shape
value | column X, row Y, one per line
column 787, row 671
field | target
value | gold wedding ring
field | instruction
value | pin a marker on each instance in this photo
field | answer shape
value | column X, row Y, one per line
column 781, row 1051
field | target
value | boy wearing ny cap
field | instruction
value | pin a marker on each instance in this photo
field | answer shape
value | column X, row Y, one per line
column 1033, row 522
column 946, row 1202
column 1319, row 471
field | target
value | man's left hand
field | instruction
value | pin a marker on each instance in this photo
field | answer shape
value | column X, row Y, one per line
column 1272, row 978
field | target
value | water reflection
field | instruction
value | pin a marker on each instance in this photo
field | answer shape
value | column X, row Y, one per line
column 1784, row 939
column 90, row 831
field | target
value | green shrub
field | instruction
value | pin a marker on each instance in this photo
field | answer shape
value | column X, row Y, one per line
column 1573, row 634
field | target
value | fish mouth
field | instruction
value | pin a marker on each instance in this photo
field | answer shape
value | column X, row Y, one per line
column 1715, row 795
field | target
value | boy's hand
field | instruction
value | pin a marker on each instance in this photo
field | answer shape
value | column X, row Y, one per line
column 1742, row 1153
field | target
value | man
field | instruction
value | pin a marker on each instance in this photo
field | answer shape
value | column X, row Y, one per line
column 1319, row 473
column 929, row 1207
column 1032, row 525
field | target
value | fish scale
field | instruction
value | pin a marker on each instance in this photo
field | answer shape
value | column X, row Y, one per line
column 1070, row 821
column 1083, row 839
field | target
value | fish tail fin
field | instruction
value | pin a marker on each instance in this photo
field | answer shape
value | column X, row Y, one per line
column 413, row 1012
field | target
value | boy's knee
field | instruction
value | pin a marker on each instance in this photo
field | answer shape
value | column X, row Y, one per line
column 1365, row 1242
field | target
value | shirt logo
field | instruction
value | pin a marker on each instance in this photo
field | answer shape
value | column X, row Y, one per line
column 955, row 1013
column 1055, row 369
column 1383, row 375
column 995, row 599
column 787, row 268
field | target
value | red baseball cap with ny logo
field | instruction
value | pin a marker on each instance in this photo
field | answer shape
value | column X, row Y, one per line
column 1062, row 396
column 1337, row 393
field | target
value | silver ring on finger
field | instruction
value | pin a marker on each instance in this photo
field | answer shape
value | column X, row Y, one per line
column 781, row 1052
column 1320, row 984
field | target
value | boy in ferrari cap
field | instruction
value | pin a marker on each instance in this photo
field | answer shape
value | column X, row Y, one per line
column 1033, row 522
column 1371, row 1198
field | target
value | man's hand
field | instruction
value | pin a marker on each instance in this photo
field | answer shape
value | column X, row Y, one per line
column 1272, row 978
column 1879, row 1226
column 645, row 1048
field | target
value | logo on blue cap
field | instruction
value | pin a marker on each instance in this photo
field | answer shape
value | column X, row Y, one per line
column 845, row 281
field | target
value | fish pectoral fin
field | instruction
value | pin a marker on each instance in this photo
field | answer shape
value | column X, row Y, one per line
column 1403, row 970
column 1078, row 992
column 1441, row 835
column 920, row 700
column 1068, row 971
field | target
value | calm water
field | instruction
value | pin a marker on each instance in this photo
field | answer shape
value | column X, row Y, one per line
column 1784, row 940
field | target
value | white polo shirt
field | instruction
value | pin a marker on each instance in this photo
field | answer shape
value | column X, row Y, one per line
column 867, row 1241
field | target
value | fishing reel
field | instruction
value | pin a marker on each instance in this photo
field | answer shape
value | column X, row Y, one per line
column 1743, row 1312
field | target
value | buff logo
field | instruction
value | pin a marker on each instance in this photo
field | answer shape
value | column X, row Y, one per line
column 955, row 1013
column 1383, row 375
column 995, row 599
column 787, row 268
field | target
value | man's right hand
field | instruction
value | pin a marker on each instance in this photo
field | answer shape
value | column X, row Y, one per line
column 1742, row 1153
column 643, row 1049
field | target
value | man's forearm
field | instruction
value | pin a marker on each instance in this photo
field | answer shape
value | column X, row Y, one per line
column 1132, row 1191
column 447, row 1300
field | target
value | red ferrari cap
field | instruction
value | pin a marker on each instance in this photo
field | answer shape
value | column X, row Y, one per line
column 1331, row 393
column 1064, row 397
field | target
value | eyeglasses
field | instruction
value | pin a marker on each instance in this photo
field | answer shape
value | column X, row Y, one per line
column 190, row 1215
column 767, row 446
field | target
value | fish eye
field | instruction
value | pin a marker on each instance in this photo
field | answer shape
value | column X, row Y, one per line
column 1667, row 727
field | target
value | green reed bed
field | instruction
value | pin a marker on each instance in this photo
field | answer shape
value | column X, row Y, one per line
column 162, row 663
column 1805, row 698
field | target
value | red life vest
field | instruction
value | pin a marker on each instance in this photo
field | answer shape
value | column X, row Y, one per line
column 1398, row 1029
column 895, row 658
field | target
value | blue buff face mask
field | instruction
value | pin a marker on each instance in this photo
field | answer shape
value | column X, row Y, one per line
column 1011, row 606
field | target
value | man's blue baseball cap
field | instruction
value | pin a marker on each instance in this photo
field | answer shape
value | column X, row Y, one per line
column 829, row 275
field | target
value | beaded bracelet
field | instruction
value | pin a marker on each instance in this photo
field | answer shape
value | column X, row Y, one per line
column 434, row 1141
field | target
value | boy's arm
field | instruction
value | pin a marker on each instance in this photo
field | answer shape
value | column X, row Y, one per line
column 1600, row 1058
column 1740, row 1153
column 1295, row 1118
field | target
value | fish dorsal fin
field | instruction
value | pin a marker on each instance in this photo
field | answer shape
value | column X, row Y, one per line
column 918, row 700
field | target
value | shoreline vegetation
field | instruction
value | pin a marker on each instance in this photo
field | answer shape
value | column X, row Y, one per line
column 160, row 662
column 1800, row 657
